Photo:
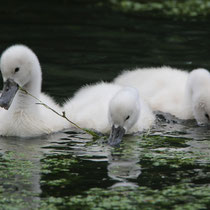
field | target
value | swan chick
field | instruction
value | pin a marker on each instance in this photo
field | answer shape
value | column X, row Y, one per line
column 198, row 90
column 124, row 111
column 110, row 109
column 20, row 67
column 180, row 93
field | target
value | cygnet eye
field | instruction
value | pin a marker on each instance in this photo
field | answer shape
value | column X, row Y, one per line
column 207, row 116
column 17, row 69
column 127, row 117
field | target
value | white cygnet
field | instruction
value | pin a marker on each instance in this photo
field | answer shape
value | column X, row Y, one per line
column 109, row 108
column 183, row 94
column 24, row 118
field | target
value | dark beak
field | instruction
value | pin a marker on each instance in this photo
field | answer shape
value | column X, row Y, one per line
column 116, row 135
column 8, row 93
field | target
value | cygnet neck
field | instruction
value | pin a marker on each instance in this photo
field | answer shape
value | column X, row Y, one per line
column 22, row 100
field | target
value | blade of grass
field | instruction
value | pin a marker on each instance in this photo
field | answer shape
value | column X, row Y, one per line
column 63, row 115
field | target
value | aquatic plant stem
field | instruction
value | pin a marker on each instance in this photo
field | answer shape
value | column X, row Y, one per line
column 63, row 115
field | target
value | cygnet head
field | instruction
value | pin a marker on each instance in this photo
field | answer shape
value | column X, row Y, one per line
column 124, row 110
column 19, row 67
column 199, row 94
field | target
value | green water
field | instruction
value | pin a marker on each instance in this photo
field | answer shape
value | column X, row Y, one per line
column 76, row 45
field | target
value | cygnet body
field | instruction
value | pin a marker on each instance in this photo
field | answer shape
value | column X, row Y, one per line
column 25, row 118
column 180, row 93
column 109, row 108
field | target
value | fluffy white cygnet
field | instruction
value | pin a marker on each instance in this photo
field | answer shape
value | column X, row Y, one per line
column 183, row 94
column 24, row 118
column 109, row 108
column 198, row 95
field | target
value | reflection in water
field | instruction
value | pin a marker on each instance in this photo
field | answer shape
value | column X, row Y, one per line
column 123, row 163
column 23, row 175
column 167, row 124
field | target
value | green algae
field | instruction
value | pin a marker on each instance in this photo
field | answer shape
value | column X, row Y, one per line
column 155, row 141
column 12, row 164
column 171, row 152
column 183, row 196
column 190, row 9
column 15, row 174
column 174, row 175
column 56, row 166
column 57, row 163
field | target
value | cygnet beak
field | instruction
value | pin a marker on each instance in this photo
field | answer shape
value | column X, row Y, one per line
column 10, row 88
column 116, row 135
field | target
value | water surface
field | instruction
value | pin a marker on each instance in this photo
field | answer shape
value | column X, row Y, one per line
column 167, row 167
